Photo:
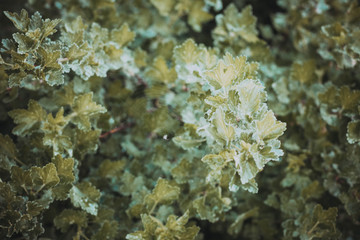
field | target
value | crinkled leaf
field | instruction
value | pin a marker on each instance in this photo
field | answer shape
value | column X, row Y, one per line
column 322, row 224
column 83, row 109
column 349, row 99
column 28, row 120
column 187, row 53
column 173, row 229
column 123, row 35
column 198, row 15
column 64, row 167
column 163, row 193
column 86, row 142
column 164, row 7
column 85, row 196
column 7, row 146
column 37, row 206
column 69, row 217
column 159, row 71
column 216, row 162
column 211, row 204
column 25, row 43
column 21, row 178
column 111, row 169
column 222, row 75
column 304, row 72
column 186, row 142
column 223, row 130
column 269, row 128
column 108, row 230
column 21, row 21
column 353, row 131
column 236, row 24
column 45, row 177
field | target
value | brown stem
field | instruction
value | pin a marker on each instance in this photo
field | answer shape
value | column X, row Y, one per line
column 117, row 129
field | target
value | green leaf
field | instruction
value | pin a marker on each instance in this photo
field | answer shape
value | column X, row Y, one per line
column 353, row 131
column 123, row 35
column 108, row 230
column 25, row 43
column 173, row 229
column 211, row 205
column 233, row 25
column 269, row 128
column 84, row 109
column 86, row 142
column 198, row 15
column 250, row 96
column 182, row 172
column 64, row 167
column 163, row 193
column 49, row 58
column 247, row 163
column 187, row 144
column 349, row 99
column 21, row 21
column 164, row 7
column 330, row 97
column 304, row 72
column 313, row 190
column 61, row 191
column 187, row 53
column 69, row 217
column 85, row 196
column 7, row 146
column 216, row 162
column 150, row 225
column 39, row 205
column 15, row 79
column 65, row 96
column 48, row 27
column 21, row 178
column 159, row 71
column 322, row 224
column 131, row 184
column 59, row 143
column 54, row 77
column 222, row 75
column 28, row 120
column 45, row 177
column 111, row 169
column 53, row 129
column 223, row 131
column 176, row 228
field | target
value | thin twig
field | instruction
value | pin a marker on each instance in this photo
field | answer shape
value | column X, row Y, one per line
column 115, row 130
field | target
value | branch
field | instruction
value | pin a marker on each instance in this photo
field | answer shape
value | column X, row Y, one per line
column 115, row 130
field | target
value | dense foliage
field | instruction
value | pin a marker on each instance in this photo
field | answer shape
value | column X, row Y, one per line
column 180, row 119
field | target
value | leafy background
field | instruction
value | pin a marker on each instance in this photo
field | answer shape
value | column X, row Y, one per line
column 157, row 119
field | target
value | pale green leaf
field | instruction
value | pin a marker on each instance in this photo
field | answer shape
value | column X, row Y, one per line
column 84, row 109
column 269, row 128
column 163, row 193
column 45, row 177
column 21, row 21
column 28, row 120
column 64, row 167
column 85, row 196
